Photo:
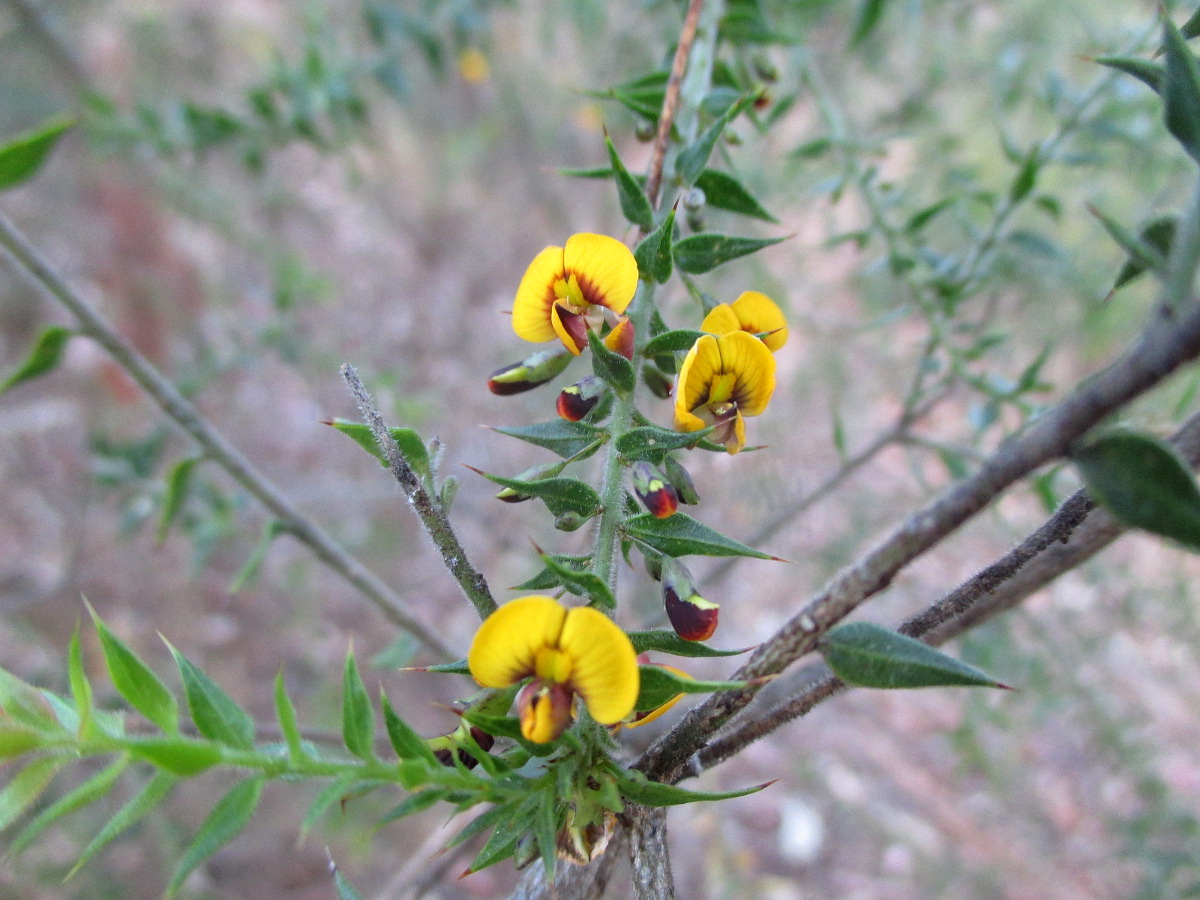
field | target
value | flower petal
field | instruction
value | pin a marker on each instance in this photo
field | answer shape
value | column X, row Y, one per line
column 605, row 268
column 701, row 365
column 605, row 669
column 570, row 327
column 759, row 314
column 535, row 296
column 506, row 645
column 749, row 359
column 620, row 339
column 721, row 320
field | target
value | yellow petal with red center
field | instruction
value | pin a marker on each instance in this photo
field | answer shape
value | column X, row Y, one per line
column 759, row 314
column 744, row 355
column 536, row 296
column 605, row 268
column 604, row 668
column 700, row 367
column 505, row 648
column 721, row 320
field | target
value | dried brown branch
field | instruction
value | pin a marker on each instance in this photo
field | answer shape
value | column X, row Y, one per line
column 1076, row 532
column 1167, row 342
column 30, row 263
column 666, row 119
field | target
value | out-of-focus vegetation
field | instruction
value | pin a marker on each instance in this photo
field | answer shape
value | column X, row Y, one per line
column 256, row 193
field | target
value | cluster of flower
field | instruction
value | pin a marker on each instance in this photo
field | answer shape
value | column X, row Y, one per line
column 727, row 375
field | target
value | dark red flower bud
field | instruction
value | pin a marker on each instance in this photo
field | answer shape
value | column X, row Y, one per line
column 654, row 490
column 579, row 399
column 692, row 617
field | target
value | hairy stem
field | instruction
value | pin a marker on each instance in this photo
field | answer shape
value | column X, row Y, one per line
column 428, row 509
column 217, row 449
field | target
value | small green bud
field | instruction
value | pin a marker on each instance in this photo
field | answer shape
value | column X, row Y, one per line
column 531, row 372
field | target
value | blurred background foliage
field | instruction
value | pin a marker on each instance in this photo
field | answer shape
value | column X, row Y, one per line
column 260, row 191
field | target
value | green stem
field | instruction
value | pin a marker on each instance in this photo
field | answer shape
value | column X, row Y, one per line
column 612, row 482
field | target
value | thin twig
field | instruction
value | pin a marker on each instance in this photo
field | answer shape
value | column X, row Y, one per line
column 1165, row 344
column 666, row 118
column 428, row 509
column 217, row 449
column 1076, row 532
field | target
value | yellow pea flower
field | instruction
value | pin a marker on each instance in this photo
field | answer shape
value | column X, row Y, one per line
column 751, row 312
column 568, row 290
column 724, row 379
column 568, row 652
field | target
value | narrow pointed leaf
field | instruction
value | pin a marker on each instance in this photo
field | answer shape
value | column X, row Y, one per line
column 405, row 741
column 1156, row 236
column 81, row 688
column 177, row 755
column 653, row 252
column 1148, row 73
column 581, row 584
column 612, row 367
column 546, row 579
column 868, row 655
column 870, row 12
column 26, row 786
column 636, row 787
column 358, row 718
column 271, row 530
column 564, row 438
column 146, row 800
column 78, row 797
column 458, row 667
column 672, row 341
column 179, row 481
column 21, row 157
column 694, row 157
column 545, row 829
column 649, row 442
column 1144, row 483
column 703, row 252
column 634, row 203
column 559, row 494
column 215, row 713
column 231, row 814
column 681, row 535
column 413, row 804
column 724, row 191
column 285, row 712
column 658, row 685
column 329, row 795
column 412, row 448
column 135, row 681
column 669, row 642
column 45, row 356
column 502, row 842
column 1181, row 90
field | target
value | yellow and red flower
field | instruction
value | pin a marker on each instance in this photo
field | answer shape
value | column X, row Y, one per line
column 567, row 652
column 723, row 380
column 568, row 290
column 753, row 313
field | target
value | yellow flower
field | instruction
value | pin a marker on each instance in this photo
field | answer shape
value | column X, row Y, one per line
column 567, row 290
column 568, row 652
column 722, row 380
column 751, row 312
column 473, row 66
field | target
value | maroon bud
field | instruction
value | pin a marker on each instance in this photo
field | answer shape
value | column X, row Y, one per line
column 692, row 617
column 579, row 399
column 529, row 373
column 653, row 489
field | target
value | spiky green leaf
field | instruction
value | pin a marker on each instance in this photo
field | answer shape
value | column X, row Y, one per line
column 868, row 655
